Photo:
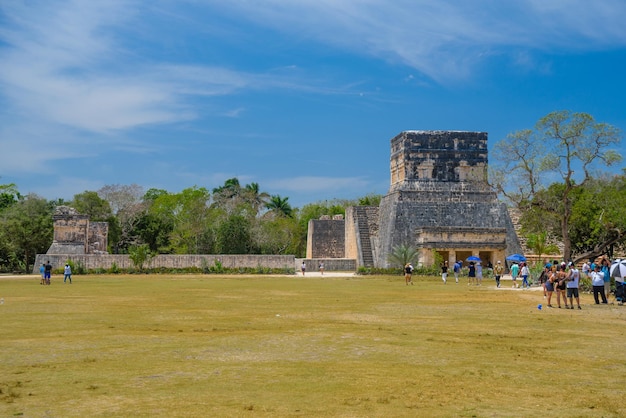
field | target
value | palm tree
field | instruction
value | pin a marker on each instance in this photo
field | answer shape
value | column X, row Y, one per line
column 280, row 205
column 257, row 198
column 403, row 254
column 538, row 243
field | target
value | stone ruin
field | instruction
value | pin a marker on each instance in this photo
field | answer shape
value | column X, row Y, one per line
column 438, row 202
column 75, row 234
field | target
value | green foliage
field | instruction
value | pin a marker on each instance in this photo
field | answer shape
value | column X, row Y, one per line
column 139, row 255
column 9, row 195
column 90, row 204
column 402, row 254
column 370, row 200
column 25, row 231
column 279, row 205
column 114, row 268
column 233, row 235
column 538, row 243
column 565, row 145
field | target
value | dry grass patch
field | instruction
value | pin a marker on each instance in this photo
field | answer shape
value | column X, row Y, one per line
column 179, row 346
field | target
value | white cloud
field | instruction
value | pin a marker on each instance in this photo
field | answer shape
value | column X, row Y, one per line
column 443, row 39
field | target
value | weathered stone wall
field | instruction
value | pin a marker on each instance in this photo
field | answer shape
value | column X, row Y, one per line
column 106, row 261
column 438, row 201
column 75, row 234
column 326, row 238
column 350, row 232
column 438, row 155
column 439, row 197
column 70, row 234
column 330, row 264
column 98, row 237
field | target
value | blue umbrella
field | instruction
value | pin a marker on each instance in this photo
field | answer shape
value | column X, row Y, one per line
column 473, row 258
column 516, row 257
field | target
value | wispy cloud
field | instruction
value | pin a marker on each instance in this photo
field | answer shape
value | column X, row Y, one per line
column 443, row 39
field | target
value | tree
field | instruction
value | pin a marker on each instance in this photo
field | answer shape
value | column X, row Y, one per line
column 90, row 204
column 539, row 244
column 233, row 236
column 9, row 195
column 255, row 196
column 279, row 205
column 185, row 214
column 128, row 209
column 402, row 254
column 27, row 228
column 140, row 255
column 563, row 145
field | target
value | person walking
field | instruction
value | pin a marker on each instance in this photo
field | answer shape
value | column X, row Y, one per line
column 479, row 273
column 48, row 272
column 525, row 272
column 444, row 272
column 408, row 273
column 497, row 271
column 67, row 273
column 573, row 278
column 322, row 267
column 471, row 273
column 597, row 280
column 42, row 271
column 514, row 274
column 303, row 268
column 457, row 269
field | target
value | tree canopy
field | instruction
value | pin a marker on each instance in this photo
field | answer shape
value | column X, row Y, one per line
column 543, row 170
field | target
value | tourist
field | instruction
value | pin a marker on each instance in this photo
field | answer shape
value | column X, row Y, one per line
column 514, row 274
column 606, row 269
column 525, row 273
column 560, row 286
column 67, row 273
column 586, row 269
column 48, row 271
column 457, row 270
column 597, row 280
column 408, row 273
column 498, row 270
column 444, row 272
column 471, row 273
column 543, row 278
column 322, row 267
column 479, row 273
column 550, row 285
column 42, row 271
column 303, row 268
column 573, row 278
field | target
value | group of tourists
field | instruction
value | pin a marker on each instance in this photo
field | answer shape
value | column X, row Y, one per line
column 46, row 273
column 564, row 279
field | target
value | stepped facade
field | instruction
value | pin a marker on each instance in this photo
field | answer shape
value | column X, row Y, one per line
column 438, row 202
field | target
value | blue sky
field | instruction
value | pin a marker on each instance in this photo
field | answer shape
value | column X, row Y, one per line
column 299, row 96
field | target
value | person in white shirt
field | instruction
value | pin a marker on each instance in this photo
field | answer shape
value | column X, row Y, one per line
column 573, row 277
column 597, row 280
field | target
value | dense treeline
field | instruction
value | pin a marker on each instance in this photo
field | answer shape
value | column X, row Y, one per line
column 231, row 219
column 553, row 173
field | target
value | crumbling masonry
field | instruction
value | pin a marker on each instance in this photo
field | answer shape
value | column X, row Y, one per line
column 438, row 202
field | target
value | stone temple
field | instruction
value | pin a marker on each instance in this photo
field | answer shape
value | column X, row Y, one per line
column 74, row 234
column 438, row 202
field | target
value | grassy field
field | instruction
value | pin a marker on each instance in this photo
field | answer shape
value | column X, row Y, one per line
column 200, row 346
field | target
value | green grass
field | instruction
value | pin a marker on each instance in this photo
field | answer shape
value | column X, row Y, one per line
column 195, row 346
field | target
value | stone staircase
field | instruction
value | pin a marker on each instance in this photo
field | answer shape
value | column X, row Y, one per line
column 365, row 242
